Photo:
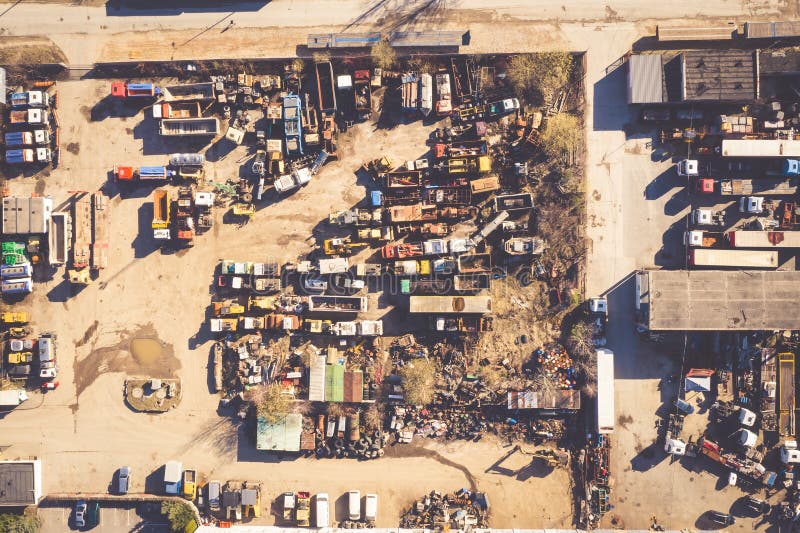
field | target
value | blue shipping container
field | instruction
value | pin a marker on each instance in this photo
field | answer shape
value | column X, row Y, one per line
column 17, row 286
column 14, row 156
column 22, row 270
column 152, row 173
column 16, row 138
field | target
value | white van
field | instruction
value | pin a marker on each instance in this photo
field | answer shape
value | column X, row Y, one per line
column 321, row 509
column 354, row 505
column 371, row 507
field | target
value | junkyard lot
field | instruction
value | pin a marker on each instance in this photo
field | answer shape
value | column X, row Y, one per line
column 83, row 431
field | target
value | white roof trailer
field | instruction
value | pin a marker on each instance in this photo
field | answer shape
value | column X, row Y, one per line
column 605, row 391
column 760, row 148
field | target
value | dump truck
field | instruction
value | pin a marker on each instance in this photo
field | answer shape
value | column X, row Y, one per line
column 385, row 233
column 469, row 165
column 30, row 99
column 402, row 250
column 362, row 94
column 337, row 304
column 189, row 127
column 410, row 267
column 475, row 305
column 218, row 325
column 177, row 110
column 475, row 263
column 172, row 477
column 121, row 89
column 189, row 484
column 463, row 324
column 292, row 124
column 444, row 97
column 184, row 216
column 712, row 257
column 325, row 90
column 12, row 397
column 101, row 231
column 161, row 214
column 303, row 510
column 59, row 237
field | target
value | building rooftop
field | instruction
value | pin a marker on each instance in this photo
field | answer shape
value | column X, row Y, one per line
column 719, row 300
column 24, row 216
column 645, row 79
column 20, row 483
column 282, row 436
column 719, row 75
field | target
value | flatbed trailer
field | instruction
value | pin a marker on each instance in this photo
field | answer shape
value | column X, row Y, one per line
column 712, row 257
column 786, row 395
column 101, row 231
column 761, row 187
column 474, row 305
column 82, row 227
column 337, row 304
column 447, row 195
column 59, row 238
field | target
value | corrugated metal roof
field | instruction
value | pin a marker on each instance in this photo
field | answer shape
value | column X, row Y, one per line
column 283, row 435
column 645, row 79
column 557, row 399
column 334, row 383
column 24, row 216
column 17, row 480
column 353, row 386
column 316, row 380
column 766, row 30
column 2, row 86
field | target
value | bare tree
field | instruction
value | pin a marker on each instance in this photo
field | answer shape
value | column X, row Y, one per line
column 418, row 381
column 383, row 55
column 540, row 75
column 373, row 417
column 580, row 340
column 271, row 402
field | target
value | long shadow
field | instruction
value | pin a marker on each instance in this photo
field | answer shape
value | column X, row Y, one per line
column 108, row 107
column 144, row 244
column 610, row 111
column 662, row 184
column 169, row 8
column 672, row 253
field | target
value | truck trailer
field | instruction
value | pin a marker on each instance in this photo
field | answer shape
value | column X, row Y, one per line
column 161, row 214
column 786, row 395
column 12, row 398
column 189, row 127
column 121, row 89
column 760, row 148
column 605, row 391
column 764, row 239
column 326, row 94
column 101, row 231
column 715, row 257
column 337, row 304
column 742, row 187
column 474, row 305
column 59, row 236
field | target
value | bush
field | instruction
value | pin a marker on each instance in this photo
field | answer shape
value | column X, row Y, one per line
column 270, row 401
column 179, row 515
column 14, row 523
column 418, row 380
column 322, row 56
column 383, row 55
column 561, row 138
column 540, row 75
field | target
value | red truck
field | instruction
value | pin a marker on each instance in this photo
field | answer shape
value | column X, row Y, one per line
column 402, row 251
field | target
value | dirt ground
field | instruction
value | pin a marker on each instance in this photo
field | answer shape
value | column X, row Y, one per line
column 83, row 431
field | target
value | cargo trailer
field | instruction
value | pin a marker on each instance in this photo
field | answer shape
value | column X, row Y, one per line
column 605, row 391
column 189, row 127
column 59, row 237
column 764, row 239
column 474, row 305
column 716, row 257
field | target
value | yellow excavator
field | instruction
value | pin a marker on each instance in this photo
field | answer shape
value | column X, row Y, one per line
column 340, row 246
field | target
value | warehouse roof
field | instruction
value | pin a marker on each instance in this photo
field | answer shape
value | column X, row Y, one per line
column 280, row 436
column 20, row 483
column 645, row 77
column 720, row 300
column 719, row 75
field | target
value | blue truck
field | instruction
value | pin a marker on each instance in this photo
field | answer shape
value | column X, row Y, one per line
column 293, row 129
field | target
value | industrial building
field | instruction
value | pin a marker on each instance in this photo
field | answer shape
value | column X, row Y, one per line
column 280, row 436
column 715, row 300
column 20, row 483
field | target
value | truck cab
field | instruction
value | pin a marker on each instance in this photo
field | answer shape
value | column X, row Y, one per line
column 48, row 368
column 751, row 205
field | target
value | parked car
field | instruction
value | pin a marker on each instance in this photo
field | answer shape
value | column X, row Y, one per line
column 354, row 505
column 80, row 514
column 315, row 284
column 684, row 407
column 124, row 479
column 213, row 495
column 321, row 508
column 371, row 507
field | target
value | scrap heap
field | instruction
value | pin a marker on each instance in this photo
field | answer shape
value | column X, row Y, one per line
column 458, row 510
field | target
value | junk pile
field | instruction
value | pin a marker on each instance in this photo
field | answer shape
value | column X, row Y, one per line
column 557, row 365
column 459, row 510
column 343, row 436
column 454, row 423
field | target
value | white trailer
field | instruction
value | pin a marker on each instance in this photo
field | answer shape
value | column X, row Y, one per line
column 760, row 148
column 714, row 257
column 605, row 391
column 476, row 305
column 12, row 398
column 764, row 239
column 59, row 237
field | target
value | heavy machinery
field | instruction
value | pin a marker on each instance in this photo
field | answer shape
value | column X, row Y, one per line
column 184, row 217
column 376, row 167
column 303, row 509
column 190, row 484
column 15, row 317
column 552, row 458
column 341, row 246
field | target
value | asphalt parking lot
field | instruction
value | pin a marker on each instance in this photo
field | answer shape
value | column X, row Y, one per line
column 59, row 518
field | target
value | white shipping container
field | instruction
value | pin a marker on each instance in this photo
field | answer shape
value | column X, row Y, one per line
column 605, row 391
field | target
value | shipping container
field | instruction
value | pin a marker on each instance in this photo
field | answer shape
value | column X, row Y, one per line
column 59, row 237
column 478, row 305
column 189, row 127
column 760, row 148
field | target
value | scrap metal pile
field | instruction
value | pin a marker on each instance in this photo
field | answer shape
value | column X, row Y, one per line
column 458, row 510
column 343, row 436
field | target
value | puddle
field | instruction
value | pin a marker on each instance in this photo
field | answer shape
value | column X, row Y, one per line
column 138, row 353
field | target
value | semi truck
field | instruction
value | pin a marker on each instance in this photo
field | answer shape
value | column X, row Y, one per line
column 121, row 89
column 711, row 257
column 769, row 186
column 704, row 239
column 126, row 174
column 293, row 130
column 786, row 395
column 189, row 127
column 59, row 236
column 26, row 138
column 161, row 214
column 28, row 155
column 764, row 239
column 30, row 99
column 29, row 116
column 605, row 391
